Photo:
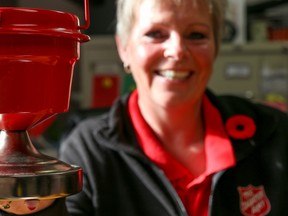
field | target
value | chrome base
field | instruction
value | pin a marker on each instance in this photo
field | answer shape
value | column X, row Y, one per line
column 27, row 174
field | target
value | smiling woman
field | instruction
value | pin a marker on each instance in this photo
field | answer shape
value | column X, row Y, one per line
column 168, row 41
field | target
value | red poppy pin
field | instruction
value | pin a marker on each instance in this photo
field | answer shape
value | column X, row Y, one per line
column 240, row 127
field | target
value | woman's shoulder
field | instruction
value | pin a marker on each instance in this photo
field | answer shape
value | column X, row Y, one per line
column 229, row 104
column 240, row 104
column 266, row 118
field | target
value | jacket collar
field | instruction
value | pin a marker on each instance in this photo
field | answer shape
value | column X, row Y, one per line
column 265, row 121
column 120, row 135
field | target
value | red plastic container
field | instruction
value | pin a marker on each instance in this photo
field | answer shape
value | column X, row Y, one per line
column 39, row 49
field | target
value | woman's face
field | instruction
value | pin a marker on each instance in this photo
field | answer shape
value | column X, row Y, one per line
column 170, row 51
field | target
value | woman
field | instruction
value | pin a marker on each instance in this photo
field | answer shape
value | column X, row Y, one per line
column 169, row 49
column 171, row 147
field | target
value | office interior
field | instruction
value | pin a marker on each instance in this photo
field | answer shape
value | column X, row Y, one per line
column 252, row 61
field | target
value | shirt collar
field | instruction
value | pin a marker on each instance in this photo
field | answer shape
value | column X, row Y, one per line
column 218, row 148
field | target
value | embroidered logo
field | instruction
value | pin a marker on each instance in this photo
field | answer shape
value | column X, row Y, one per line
column 253, row 201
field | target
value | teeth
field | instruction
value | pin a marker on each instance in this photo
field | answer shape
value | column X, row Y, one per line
column 171, row 74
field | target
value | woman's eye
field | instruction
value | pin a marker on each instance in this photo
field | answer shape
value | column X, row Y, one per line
column 197, row 36
column 155, row 35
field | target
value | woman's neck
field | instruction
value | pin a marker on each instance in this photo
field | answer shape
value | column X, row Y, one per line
column 175, row 125
column 182, row 135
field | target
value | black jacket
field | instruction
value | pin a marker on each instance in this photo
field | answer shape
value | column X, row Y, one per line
column 119, row 180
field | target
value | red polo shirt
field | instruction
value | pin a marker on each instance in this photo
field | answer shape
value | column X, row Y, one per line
column 194, row 192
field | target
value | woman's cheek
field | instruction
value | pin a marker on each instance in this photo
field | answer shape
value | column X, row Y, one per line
column 147, row 56
column 205, row 58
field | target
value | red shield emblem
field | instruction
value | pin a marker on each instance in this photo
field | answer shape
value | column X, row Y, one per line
column 253, row 201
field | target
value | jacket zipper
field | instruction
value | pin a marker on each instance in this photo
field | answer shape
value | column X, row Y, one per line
column 171, row 190
column 215, row 180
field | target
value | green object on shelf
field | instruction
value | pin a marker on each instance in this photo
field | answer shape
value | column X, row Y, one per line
column 128, row 84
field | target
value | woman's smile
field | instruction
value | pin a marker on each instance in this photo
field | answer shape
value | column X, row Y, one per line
column 174, row 74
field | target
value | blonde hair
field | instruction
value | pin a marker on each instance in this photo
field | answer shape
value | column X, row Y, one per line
column 126, row 17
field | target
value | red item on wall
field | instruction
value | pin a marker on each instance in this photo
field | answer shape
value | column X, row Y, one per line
column 105, row 90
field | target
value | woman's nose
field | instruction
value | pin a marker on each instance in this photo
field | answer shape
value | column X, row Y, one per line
column 175, row 48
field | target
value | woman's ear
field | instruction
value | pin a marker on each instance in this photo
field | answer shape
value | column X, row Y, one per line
column 122, row 49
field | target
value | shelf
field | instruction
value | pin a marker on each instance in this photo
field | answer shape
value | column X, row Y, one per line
column 262, row 7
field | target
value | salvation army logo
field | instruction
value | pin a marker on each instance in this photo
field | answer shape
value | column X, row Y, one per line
column 253, row 201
